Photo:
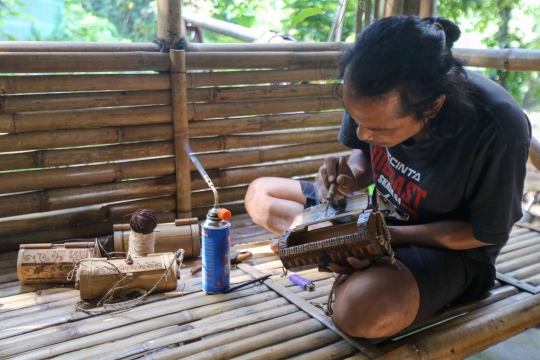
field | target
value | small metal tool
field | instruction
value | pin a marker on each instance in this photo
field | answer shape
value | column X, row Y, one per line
column 333, row 187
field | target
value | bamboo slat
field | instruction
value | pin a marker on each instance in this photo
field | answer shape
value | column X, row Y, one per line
column 517, row 253
column 65, row 83
column 338, row 350
column 515, row 264
column 169, row 24
column 466, row 339
column 502, row 59
column 198, row 79
column 51, row 62
column 525, row 272
column 272, row 47
column 258, row 60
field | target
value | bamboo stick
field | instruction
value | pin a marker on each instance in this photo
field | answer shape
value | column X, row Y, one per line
column 17, row 288
column 502, row 59
column 169, row 20
column 195, row 332
column 84, row 118
column 518, row 231
column 65, row 83
column 515, row 264
column 171, row 319
column 525, row 272
column 81, row 137
column 19, row 62
column 71, row 46
column 35, row 313
column 257, row 60
column 8, row 264
column 464, row 340
column 294, row 346
column 60, row 218
column 273, row 47
column 516, row 254
column 199, row 79
column 8, row 277
column 338, row 350
column 270, row 92
column 82, row 100
column 17, row 302
column 92, row 174
column 526, row 236
column 181, row 133
column 208, row 111
column 138, row 319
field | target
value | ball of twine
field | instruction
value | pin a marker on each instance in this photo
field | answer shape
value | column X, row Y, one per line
column 143, row 221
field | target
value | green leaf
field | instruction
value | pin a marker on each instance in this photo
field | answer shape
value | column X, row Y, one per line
column 305, row 13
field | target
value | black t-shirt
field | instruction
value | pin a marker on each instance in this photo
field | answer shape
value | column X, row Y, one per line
column 476, row 176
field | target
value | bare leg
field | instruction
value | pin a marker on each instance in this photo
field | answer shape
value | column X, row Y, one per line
column 275, row 203
column 376, row 302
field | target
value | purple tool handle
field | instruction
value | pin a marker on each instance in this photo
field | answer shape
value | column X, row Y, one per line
column 303, row 283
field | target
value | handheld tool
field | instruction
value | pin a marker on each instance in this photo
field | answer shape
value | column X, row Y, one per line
column 333, row 186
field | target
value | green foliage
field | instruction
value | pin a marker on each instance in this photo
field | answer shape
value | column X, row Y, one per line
column 304, row 14
column 7, row 10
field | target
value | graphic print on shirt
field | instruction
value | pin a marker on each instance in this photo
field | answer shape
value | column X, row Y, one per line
column 397, row 184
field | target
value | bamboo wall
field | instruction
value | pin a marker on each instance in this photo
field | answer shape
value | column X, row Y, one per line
column 88, row 137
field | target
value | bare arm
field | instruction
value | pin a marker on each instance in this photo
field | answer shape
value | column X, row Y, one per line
column 360, row 164
column 455, row 235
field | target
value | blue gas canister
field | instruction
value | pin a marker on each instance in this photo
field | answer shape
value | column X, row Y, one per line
column 216, row 246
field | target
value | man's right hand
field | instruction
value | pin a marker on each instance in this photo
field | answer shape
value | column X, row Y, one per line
column 346, row 181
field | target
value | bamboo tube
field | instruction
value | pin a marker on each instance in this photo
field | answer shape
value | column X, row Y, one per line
column 270, row 92
column 208, row 111
column 84, row 118
column 229, row 337
column 199, row 79
column 256, row 60
column 265, row 139
column 294, row 346
column 81, row 137
column 359, row 16
column 7, row 277
column 427, row 8
column 85, row 230
column 518, row 231
column 18, row 288
column 65, row 46
column 464, row 340
column 19, row 62
column 367, row 13
column 338, row 350
column 194, row 333
column 169, row 20
column 48, row 102
column 202, row 198
column 515, row 264
column 181, row 133
column 139, row 320
column 516, row 254
column 264, row 123
column 522, row 237
column 40, row 297
column 65, row 83
column 35, row 313
column 525, row 272
column 502, row 59
column 156, row 323
column 65, row 177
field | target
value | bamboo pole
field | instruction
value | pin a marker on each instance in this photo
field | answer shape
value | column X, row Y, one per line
column 525, row 272
column 79, row 336
column 427, row 8
column 367, row 21
column 198, row 79
column 338, row 350
column 61, row 218
column 274, row 47
column 17, row 287
column 359, row 16
column 501, row 59
column 377, row 9
column 517, row 254
column 181, row 134
column 64, row 83
column 169, row 20
column 83, row 62
column 515, row 264
column 464, row 340
column 393, row 7
column 522, row 237
column 520, row 245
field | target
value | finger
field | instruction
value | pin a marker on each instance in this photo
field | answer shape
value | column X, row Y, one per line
column 275, row 246
column 331, row 165
column 358, row 264
column 340, row 269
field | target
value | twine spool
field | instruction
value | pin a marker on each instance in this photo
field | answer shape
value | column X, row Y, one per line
column 142, row 238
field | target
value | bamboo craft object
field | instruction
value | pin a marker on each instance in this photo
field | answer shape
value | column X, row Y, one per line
column 44, row 263
column 182, row 234
column 96, row 277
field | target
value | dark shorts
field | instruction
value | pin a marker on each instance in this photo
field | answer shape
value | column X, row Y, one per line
column 443, row 276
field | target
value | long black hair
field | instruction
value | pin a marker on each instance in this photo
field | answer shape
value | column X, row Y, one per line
column 412, row 56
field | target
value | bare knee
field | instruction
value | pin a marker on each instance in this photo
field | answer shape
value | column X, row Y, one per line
column 255, row 195
column 364, row 323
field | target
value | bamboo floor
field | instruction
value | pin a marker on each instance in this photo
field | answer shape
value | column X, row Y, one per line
column 274, row 320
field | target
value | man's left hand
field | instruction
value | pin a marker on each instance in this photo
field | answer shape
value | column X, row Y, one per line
column 353, row 264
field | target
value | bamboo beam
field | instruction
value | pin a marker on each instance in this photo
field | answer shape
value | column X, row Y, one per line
column 83, row 62
column 169, row 20
column 466, row 339
column 427, row 8
column 256, row 60
column 63, row 83
column 502, row 59
column 181, row 134
column 64, row 46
